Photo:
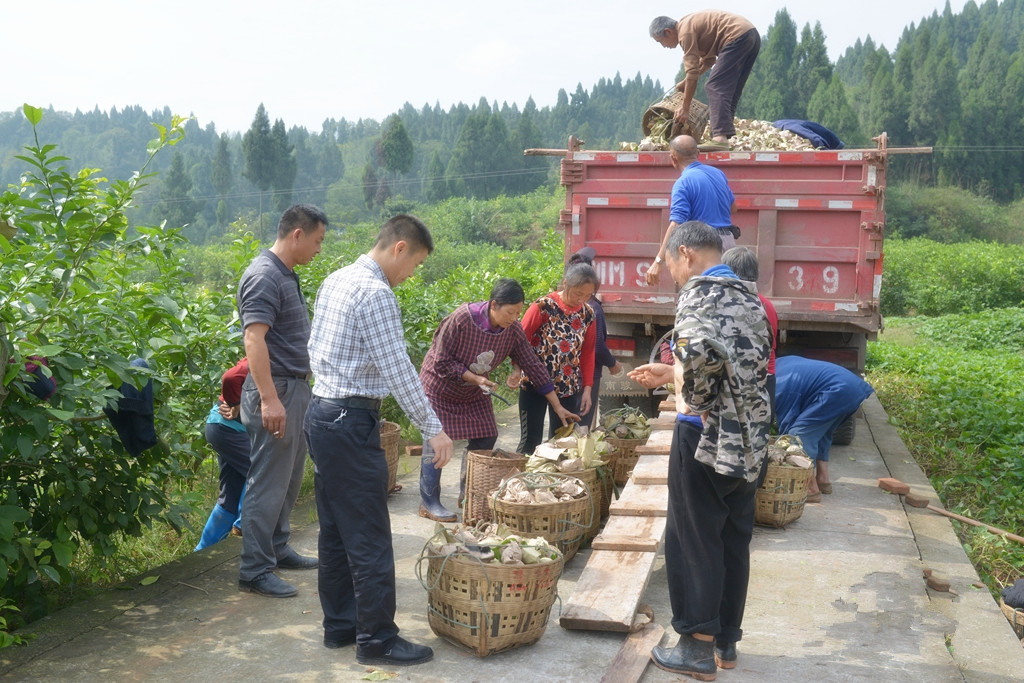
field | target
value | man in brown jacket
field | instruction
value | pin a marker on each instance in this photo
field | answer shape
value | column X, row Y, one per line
column 709, row 38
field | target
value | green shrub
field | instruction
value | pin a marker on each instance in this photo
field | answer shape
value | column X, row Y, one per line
column 924, row 277
column 958, row 404
column 88, row 293
column 949, row 214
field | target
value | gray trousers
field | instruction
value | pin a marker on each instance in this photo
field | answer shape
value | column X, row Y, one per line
column 275, row 475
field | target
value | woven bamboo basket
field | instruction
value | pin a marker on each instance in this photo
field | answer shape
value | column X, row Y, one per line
column 561, row 524
column 696, row 122
column 624, row 458
column 488, row 607
column 592, row 478
column 780, row 499
column 390, row 435
column 484, row 473
column 1014, row 616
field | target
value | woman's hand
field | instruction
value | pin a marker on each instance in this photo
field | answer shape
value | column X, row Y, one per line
column 585, row 401
column 515, row 378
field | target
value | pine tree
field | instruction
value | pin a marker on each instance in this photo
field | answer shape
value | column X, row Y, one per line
column 810, row 67
column 434, row 187
column 370, row 183
column 772, row 68
column 259, row 152
column 285, row 166
column 176, row 204
column 830, row 108
column 221, row 175
column 396, row 147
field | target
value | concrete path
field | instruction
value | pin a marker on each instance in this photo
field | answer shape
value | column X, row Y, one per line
column 838, row 595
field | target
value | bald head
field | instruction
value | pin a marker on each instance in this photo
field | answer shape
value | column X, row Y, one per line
column 684, row 148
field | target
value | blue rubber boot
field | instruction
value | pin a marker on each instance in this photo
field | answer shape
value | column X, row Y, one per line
column 430, row 490
column 217, row 527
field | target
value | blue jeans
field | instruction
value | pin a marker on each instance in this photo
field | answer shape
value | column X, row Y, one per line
column 356, row 579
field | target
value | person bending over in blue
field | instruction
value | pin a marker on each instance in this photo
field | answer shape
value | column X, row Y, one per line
column 812, row 398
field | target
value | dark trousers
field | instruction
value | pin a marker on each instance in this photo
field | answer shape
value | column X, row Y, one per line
column 728, row 76
column 707, row 542
column 356, row 579
column 532, row 409
column 232, row 447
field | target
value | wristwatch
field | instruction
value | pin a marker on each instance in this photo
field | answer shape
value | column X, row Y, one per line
column 657, row 259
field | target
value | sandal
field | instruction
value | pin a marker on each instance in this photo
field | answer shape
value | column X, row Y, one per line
column 825, row 488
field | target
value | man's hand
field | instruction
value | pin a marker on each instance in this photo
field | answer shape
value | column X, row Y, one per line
column 273, row 416
column 653, row 274
column 652, row 375
column 442, row 446
column 229, row 412
column 565, row 416
column 682, row 115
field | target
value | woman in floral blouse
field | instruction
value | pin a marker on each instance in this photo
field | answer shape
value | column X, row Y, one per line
column 560, row 328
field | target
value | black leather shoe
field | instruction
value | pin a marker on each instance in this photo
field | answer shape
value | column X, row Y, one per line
column 725, row 655
column 690, row 656
column 296, row 561
column 398, row 652
column 269, row 585
column 339, row 640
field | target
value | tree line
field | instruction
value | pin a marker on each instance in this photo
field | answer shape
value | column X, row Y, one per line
column 955, row 82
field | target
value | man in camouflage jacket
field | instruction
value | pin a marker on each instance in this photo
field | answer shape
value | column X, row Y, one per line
column 721, row 345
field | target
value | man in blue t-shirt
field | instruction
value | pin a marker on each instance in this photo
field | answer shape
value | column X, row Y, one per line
column 700, row 194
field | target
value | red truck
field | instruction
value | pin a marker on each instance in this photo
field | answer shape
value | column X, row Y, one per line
column 815, row 218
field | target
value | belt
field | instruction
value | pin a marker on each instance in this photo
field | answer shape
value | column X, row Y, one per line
column 361, row 402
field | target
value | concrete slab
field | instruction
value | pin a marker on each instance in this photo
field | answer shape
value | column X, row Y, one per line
column 838, row 595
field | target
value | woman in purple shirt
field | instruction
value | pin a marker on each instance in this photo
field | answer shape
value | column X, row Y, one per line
column 468, row 344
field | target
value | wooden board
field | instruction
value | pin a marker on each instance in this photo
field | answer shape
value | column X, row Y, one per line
column 663, row 422
column 668, row 406
column 634, row 655
column 651, row 469
column 654, row 448
column 622, row 532
column 644, row 501
column 608, row 591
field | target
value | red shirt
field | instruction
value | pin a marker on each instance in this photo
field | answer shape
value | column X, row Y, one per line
column 563, row 338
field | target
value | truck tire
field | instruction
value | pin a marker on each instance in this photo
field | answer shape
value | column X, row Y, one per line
column 843, row 436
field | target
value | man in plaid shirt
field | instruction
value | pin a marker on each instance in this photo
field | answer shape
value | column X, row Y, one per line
column 358, row 356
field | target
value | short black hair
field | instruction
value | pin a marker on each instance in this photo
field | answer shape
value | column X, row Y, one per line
column 408, row 228
column 305, row 216
column 507, row 291
column 693, row 235
column 743, row 262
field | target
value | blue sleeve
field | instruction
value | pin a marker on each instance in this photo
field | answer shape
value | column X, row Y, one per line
column 680, row 208
column 602, row 354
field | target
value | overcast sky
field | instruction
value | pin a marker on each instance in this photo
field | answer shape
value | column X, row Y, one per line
column 308, row 60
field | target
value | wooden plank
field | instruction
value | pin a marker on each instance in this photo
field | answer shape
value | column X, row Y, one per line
column 663, row 422
column 642, row 501
column 622, row 532
column 634, row 655
column 608, row 591
column 654, row 448
column 668, row 406
column 651, row 469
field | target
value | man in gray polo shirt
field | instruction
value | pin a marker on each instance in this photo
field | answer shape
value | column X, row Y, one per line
column 274, row 399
